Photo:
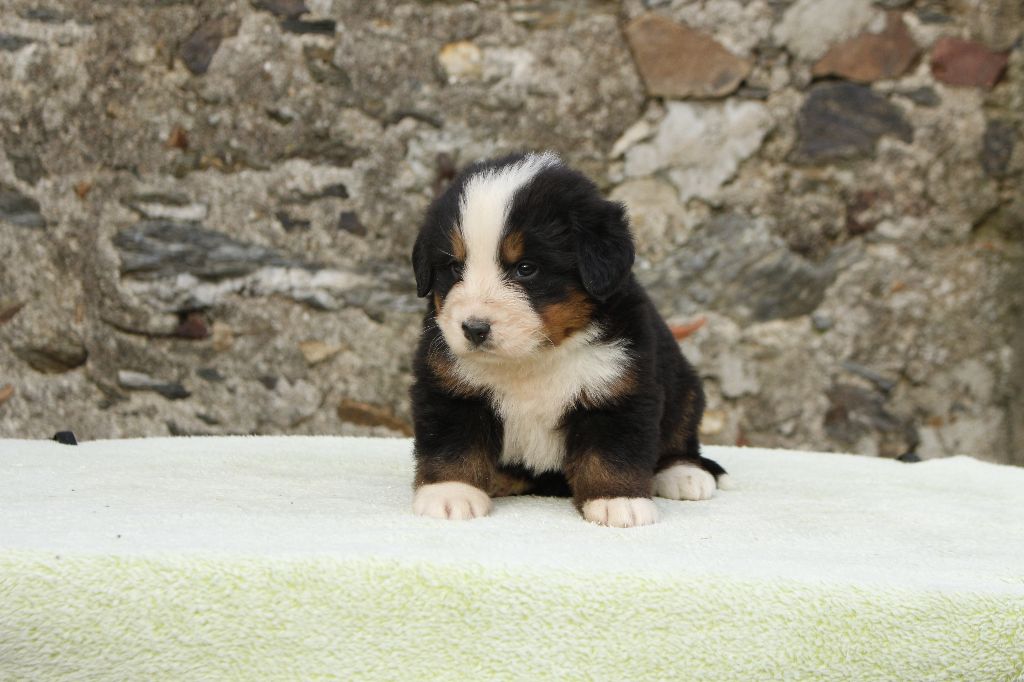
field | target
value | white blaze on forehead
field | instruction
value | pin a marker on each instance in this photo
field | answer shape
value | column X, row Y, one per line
column 483, row 292
column 484, row 208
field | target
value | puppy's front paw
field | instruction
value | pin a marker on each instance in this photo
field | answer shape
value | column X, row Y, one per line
column 621, row 512
column 684, row 482
column 451, row 500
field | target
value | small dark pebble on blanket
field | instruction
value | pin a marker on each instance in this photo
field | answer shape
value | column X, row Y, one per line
column 65, row 438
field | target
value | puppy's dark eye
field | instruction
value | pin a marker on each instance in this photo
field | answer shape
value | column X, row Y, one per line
column 525, row 269
column 456, row 269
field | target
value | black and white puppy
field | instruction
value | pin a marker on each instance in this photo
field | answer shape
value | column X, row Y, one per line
column 543, row 366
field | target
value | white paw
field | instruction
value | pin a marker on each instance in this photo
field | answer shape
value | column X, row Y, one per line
column 621, row 512
column 451, row 500
column 684, row 482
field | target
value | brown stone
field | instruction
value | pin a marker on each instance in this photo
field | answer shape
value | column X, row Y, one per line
column 869, row 57
column 316, row 352
column 966, row 63
column 53, row 353
column 8, row 309
column 178, row 139
column 676, row 61
column 365, row 414
column 5, row 393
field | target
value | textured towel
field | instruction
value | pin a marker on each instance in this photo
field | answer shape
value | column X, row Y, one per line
column 269, row 558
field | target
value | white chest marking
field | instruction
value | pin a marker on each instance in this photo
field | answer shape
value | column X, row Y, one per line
column 531, row 396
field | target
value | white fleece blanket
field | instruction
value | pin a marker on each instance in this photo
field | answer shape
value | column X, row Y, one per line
column 299, row 558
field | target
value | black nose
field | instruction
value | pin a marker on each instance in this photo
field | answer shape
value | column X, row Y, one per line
column 476, row 330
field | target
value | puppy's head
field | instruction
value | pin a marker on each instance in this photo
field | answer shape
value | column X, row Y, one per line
column 517, row 255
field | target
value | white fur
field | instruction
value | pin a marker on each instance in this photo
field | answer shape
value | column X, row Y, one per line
column 484, row 292
column 451, row 500
column 621, row 512
column 726, row 482
column 531, row 395
column 684, row 482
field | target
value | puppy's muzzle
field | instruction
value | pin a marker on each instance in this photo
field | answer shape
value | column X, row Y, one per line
column 476, row 330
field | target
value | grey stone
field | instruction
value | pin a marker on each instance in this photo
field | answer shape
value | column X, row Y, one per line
column 198, row 49
column 45, row 14
column 290, row 223
column 18, row 209
column 349, row 222
column 282, row 8
column 164, row 248
column 932, row 15
column 27, row 167
column 844, row 121
column 733, row 264
column 880, row 381
column 12, row 43
column 320, row 26
column 997, row 146
column 144, row 382
column 821, row 322
column 924, row 96
column 171, row 206
column 210, row 374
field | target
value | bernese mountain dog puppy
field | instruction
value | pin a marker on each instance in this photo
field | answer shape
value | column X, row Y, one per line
column 543, row 366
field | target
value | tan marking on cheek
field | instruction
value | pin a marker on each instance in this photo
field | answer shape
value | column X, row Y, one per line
column 512, row 247
column 563, row 319
column 591, row 477
column 458, row 246
column 437, row 303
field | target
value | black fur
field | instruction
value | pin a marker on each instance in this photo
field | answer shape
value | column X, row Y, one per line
column 581, row 243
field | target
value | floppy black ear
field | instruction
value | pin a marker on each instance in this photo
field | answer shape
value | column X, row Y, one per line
column 421, row 266
column 604, row 248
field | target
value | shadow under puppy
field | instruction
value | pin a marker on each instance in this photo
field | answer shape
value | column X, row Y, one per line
column 543, row 367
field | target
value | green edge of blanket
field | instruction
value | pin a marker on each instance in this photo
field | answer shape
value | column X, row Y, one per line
column 168, row 617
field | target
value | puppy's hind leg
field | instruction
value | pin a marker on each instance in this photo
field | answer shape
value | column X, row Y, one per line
column 689, row 476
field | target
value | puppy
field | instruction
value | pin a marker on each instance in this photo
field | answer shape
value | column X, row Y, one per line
column 543, row 367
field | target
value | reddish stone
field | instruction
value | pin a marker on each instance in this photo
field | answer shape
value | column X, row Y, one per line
column 5, row 393
column 677, row 61
column 869, row 57
column 962, row 62
column 178, row 139
column 681, row 331
column 193, row 326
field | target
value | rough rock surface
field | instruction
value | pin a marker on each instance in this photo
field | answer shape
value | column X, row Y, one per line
column 206, row 209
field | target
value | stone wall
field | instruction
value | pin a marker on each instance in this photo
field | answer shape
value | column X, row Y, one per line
column 206, row 209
